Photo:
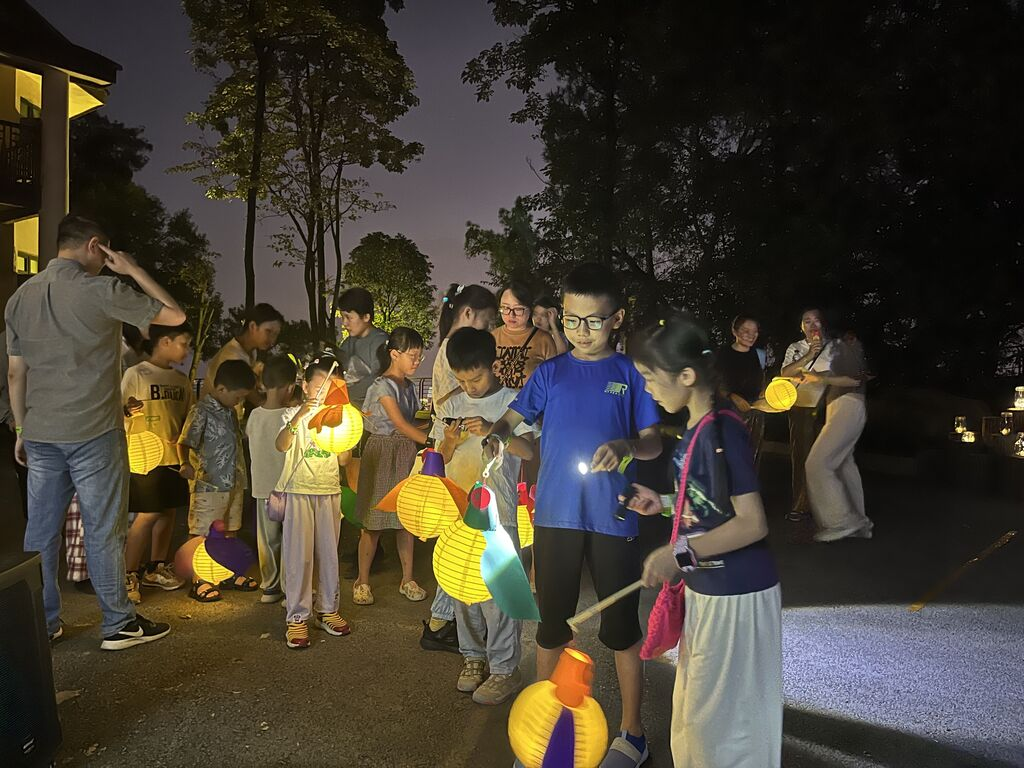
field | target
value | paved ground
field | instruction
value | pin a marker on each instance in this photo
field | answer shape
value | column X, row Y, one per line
column 868, row 682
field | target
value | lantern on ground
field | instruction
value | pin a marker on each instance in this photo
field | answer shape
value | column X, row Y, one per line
column 556, row 722
column 338, row 426
column 145, row 449
column 524, row 515
column 427, row 503
column 780, row 394
column 215, row 557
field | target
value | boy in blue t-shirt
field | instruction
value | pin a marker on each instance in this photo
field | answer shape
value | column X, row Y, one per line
column 596, row 413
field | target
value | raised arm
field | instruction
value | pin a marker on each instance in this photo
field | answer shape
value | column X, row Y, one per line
column 123, row 264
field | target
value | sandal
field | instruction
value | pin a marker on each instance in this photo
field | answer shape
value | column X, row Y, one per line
column 413, row 591
column 209, row 595
column 240, row 583
column 361, row 594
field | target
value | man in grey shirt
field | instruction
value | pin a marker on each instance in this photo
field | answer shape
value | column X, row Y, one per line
column 64, row 345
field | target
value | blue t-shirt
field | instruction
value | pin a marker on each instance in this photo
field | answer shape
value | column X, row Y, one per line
column 584, row 404
column 709, row 485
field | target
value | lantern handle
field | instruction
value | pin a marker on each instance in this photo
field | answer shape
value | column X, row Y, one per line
column 596, row 608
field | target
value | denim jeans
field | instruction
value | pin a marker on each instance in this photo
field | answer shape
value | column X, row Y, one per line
column 486, row 632
column 443, row 606
column 98, row 470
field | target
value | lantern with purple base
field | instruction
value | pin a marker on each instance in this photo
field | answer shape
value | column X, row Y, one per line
column 427, row 502
column 215, row 557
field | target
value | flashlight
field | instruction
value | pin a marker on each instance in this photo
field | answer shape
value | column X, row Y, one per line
column 583, row 468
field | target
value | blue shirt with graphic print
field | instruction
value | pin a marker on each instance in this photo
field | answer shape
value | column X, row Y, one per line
column 584, row 404
column 714, row 478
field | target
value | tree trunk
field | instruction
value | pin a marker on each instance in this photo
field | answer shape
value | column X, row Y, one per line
column 259, row 119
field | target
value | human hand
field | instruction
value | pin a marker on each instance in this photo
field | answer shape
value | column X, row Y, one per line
column 810, row 377
column 477, row 425
column 608, row 456
column 643, row 501
column 187, row 471
column 660, row 567
column 492, row 448
column 133, row 407
column 20, row 455
column 118, row 261
column 453, row 431
column 814, row 347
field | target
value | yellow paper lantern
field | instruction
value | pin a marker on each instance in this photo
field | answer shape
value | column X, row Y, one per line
column 206, row 568
column 556, row 722
column 780, row 394
column 145, row 450
column 457, row 563
column 427, row 502
column 343, row 437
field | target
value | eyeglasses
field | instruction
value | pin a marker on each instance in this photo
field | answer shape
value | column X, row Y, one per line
column 517, row 311
column 416, row 357
column 594, row 322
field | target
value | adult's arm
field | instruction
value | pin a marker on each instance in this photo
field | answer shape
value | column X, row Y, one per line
column 17, row 376
column 123, row 264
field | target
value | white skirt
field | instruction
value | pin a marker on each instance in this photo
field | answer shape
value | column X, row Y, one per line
column 727, row 701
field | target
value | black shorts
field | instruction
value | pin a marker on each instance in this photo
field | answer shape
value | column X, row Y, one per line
column 613, row 562
column 161, row 489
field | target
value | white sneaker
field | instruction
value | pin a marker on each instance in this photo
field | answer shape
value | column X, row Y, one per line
column 163, row 577
column 131, row 585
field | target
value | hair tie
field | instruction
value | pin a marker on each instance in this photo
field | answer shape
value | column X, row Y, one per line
column 707, row 352
column 459, row 290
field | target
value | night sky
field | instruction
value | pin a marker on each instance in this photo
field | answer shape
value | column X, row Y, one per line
column 475, row 160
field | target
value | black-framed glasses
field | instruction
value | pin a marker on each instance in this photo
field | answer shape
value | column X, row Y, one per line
column 517, row 311
column 594, row 322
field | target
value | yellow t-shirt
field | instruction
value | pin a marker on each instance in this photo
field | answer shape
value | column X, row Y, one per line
column 520, row 352
column 166, row 396
column 230, row 351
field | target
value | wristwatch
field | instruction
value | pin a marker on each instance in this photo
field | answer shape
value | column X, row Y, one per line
column 685, row 558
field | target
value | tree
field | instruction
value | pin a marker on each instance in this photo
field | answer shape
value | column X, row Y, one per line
column 512, row 253
column 730, row 158
column 394, row 270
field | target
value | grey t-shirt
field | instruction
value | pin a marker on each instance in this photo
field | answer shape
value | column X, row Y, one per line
column 212, row 431
column 360, row 362
column 66, row 325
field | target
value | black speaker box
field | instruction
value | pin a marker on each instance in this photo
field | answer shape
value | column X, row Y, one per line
column 29, row 729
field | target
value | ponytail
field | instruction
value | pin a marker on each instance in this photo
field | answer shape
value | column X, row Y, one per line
column 456, row 298
column 402, row 339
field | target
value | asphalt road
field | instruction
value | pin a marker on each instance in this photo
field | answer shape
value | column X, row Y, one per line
column 868, row 682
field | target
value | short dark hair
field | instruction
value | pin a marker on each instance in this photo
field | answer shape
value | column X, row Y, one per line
column 279, row 371
column 594, row 281
column 358, row 300
column 741, row 319
column 471, row 348
column 157, row 332
column 74, row 230
column 260, row 314
column 322, row 362
column 520, row 290
column 234, row 375
column 401, row 339
column 547, row 302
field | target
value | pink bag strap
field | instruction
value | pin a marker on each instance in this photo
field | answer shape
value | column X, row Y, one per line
column 684, row 472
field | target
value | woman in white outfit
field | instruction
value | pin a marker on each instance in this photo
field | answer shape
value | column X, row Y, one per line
column 834, row 485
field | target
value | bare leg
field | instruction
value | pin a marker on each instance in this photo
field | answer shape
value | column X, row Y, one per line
column 367, row 549
column 404, row 544
column 352, row 473
column 163, row 529
column 547, row 660
column 629, row 669
column 139, row 536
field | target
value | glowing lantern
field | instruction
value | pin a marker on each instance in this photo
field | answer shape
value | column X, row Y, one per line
column 428, row 502
column 215, row 557
column 780, row 394
column 524, row 515
column 338, row 426
column 475, row 560
column 145, row 451
column 556, row 722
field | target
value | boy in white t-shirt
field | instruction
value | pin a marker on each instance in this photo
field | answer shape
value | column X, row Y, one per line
column 488, row 638
column 262, row 428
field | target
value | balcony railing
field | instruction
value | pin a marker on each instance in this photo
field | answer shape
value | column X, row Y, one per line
column 20, row 161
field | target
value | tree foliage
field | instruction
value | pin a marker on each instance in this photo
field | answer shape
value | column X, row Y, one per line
column 512, row 252
column 730, row 157
column 398, row 275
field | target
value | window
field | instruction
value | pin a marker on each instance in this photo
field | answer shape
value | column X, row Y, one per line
column 26, row 263
column 28, row 109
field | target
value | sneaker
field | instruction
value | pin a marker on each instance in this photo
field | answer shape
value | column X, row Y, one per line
column 297, row 634
column 162, row 577
column 413, row 591
column 444, row 639
column 271, row 596
column 131, row 585
column 58, row 633
column 333, row 624
column 497, row 689
column 361, row 594
column 137, row 632
column 472, row 676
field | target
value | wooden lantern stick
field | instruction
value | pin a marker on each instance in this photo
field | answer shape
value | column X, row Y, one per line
column 596, row 608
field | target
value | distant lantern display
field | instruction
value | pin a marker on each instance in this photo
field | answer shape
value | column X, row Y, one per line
column 428, row 502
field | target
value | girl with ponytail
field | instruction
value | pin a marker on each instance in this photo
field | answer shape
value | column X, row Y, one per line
column 463, row 306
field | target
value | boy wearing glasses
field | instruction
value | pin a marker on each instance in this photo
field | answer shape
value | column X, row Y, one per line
column 521, row 345
column 596, row 414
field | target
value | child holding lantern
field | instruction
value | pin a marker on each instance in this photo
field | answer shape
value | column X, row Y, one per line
column 390, row 410
column 596, row 415
column 488, row 639
column 216, row 465
column 310, row 482
column 727, row 703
